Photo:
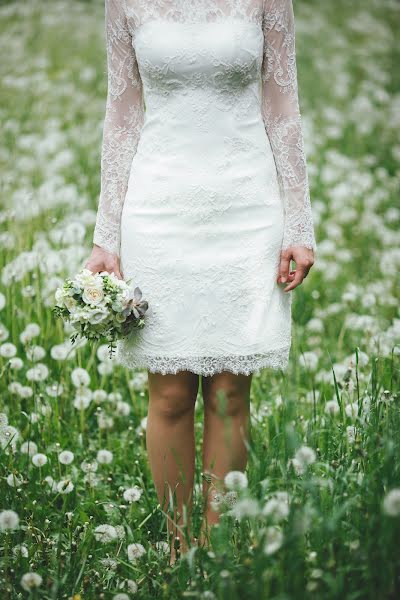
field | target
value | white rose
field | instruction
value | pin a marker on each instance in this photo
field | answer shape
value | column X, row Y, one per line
column 97, row 316
column 70, row 303
column 93, row 295
column 85, row 277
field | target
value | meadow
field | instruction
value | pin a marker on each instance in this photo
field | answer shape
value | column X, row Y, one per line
column 317, row 514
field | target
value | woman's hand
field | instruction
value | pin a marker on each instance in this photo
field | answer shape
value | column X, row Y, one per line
column 304, row 259
column 101, row 260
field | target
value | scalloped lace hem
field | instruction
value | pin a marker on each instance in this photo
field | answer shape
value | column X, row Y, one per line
column 277, row 359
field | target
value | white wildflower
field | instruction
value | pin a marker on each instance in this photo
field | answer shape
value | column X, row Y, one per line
column 16, row 363
column 274, row 540
column 37, row 373
column 66, row 457
column 104, row 457
column 8, row 520
column 20, row 551
column 8, row 350
column 31, row 581
column 39, row 460
column 29, row 447
column 332, row 407
column 391, row 503
column 135, row 551
column 132, row 586
column 133, row 494
column 80, row 377
column 105, row 533
column 14, row 480
column 65, row 486
column 246, row 507
column 236, row 480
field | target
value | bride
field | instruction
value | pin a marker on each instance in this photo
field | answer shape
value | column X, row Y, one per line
column 204, row 202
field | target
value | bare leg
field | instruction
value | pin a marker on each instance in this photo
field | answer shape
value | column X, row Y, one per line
column 170, row 444
column 226, row 426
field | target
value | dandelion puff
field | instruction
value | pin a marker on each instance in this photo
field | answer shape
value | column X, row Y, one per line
column 3, row 420
column 276, row 509
column 30, row 581
column 39, row 460
column 135, row 551
column 332, row 407
column 104, row 457
column 65, row 486
column 133, row 494
column 105, row 534
column 16, row 363
column 247, row 507
column 391, row 503
column 120, row 531
column 89, row 466
column 230, row 498
column 305, row 456
column 37, row 373
column 8, row 350
column 8, row 520
column 121, row 596
column 274, row 540
column 162, row 546
column 80, row 377
column 217, row 500
column 236, row 480
column 29, row 447
column 351, row 433
column 66, row 457
column 8, row 437
column 132, row 586
column 20, row 551
column 14, row 480
column 351, row 409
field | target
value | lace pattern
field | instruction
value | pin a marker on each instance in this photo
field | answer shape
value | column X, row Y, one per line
column 282, row 119
column 206, row 365
column 125, row 111
column 204, row 178
column 122, row 125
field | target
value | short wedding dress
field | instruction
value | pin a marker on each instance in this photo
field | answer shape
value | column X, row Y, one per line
column 203, row 179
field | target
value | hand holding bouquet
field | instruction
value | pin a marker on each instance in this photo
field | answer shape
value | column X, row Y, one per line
column 99, row 305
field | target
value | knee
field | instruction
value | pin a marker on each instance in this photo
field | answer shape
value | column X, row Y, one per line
column 172, row 401
column 227, row 400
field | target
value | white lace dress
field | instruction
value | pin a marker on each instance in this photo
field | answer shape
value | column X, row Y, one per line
column 203, row 178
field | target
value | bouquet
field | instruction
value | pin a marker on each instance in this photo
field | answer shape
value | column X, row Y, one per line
column 99, row 305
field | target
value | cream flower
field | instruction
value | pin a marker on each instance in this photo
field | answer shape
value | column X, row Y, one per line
column 93, row 294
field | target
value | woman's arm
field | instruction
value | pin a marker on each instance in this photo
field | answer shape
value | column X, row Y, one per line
column 122, row 125
column 282, row 120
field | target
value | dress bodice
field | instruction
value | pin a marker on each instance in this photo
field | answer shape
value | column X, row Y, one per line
column 210, row 70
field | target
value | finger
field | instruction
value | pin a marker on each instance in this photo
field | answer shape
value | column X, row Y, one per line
column 299, row 276
column 284, row 268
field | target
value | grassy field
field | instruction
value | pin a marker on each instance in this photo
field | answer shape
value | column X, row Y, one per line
column 320, row 515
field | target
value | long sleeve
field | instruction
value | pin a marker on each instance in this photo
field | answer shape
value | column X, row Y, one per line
column 122, row 126
column 282, row 120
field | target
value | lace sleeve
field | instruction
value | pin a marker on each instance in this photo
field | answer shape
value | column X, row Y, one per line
column 282, row 120
column 122, row 125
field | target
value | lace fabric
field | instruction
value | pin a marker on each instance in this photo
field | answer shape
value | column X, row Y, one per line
column 207, row 365
column 125, row 111
column 203, row 178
